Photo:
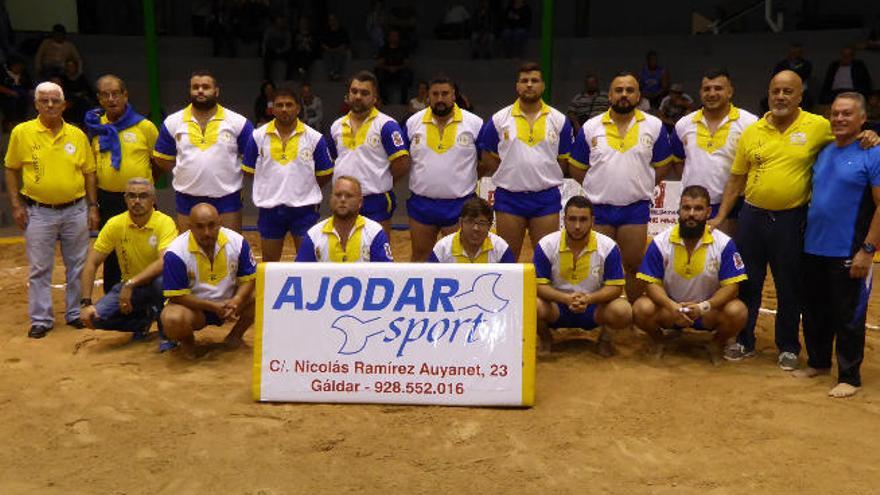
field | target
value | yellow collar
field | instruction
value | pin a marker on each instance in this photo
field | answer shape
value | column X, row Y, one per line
column 606, row 117
column 765, row 121
column 733, row 114
column 194, row 246
column 329, row 227
column 458, row 249
column 370, row 116
column 428, row 118
column 220, row 114
column 591, row 244
column 43, row 128
column 299, row 129
column 675, row 236
column 517, row 111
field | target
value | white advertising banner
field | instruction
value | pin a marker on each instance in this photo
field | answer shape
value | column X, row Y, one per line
column 664, row 207
column 445, row 334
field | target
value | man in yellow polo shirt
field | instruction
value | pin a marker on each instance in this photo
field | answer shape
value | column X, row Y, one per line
column 139, row 238
column 123, row 143
column 774, row 164
column 57, row 201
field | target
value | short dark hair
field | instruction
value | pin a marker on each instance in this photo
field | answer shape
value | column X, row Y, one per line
column 696, row 191
column 441, row 79
column 578, row 202
column 205, row 73
column 626, row 73
column 529, row 67
column 716, row 72
column 287, row 91
column 365, row 76
column 112, row 77
column 476, row 207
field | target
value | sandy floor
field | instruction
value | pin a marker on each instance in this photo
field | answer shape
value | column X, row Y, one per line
column 89, row 412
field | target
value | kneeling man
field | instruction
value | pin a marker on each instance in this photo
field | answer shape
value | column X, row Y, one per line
column 208, row 278
column 473, row 243
column 347, row 236
column 580, row 279
column 139, row 238
column 693, row 274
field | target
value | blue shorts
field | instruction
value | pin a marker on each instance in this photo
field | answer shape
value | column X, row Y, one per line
column 226, row 204
column 638, row 213
column 734, row 213
column 529, row 204
column 275, row 223
column 436, row 212
column 567, row 319
column 379, row 207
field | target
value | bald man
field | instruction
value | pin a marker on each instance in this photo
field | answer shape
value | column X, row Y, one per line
column 208, row 278
column 773, row 165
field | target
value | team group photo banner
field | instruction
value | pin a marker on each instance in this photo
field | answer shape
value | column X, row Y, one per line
column 395, row 333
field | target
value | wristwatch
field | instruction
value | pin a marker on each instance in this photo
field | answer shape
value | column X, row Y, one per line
column 869, row 248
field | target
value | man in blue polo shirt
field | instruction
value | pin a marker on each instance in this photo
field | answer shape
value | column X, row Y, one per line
column 843, row 231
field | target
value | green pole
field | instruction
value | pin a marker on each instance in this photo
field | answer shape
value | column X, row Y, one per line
column 152, row 56
column 547, row 48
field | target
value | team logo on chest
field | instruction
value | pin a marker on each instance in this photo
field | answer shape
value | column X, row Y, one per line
column 70, row 148
column 129, row 137
column 373, row 141
column 465, row 139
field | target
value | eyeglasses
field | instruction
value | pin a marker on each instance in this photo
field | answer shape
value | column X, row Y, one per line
column 107, row 95
column 478, row 223
column 138, row 196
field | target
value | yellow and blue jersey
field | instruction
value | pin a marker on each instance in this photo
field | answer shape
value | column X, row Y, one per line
column 366, row 242
column 597, row 265
column 187, row 270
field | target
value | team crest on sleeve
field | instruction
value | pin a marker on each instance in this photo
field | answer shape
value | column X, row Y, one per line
column 738, row 261
column 396, row 138
column 387, row 248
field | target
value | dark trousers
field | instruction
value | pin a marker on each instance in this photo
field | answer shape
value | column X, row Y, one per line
column 776, row 238
column 835, row 306
column 110, row 204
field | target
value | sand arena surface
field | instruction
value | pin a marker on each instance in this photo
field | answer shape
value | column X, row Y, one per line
column 90, row 412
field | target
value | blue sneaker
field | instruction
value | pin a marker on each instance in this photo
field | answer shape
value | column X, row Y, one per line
column 166, row 345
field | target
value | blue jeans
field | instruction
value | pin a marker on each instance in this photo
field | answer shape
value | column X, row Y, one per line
column 146, row 303
column 775, row 238
column 45, row 227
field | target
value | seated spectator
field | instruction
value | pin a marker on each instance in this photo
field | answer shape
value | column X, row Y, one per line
column 78, row 92
column 515, row 26
column 483, row 31
column 796, row 62
column 456, row 22
column 846, row 74
column 653, row 80
column 15, row 88
column 588, row 104
column 305, row 50
column 393, row 68
column 53, row 52
column 335, row 45
column 277, row 43
column 312, row 108
column 674, row 106
column 874, row 112
column 376, row 25
column 263, row 104
column 420, row 101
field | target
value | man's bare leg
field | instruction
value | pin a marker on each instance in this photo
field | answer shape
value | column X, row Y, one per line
column 547, row 313
column 650, row 318
column 613, row 317
column 511, row 228
column 422, row 238
column 234, row 339
column 632, row 240
column 541, row 226
column 810, row 372
column 179, row 324
column 271, row 249
column 842, row 390
column 726, row 322
column 386, row 226
column 231, row 220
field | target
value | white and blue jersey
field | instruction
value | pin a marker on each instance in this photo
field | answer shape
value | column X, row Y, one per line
column 714, row 263
column 842, row 206
column 597, row 265
column 450, row 250
column 367, row 154
column 187, row 270
column 366, row 242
